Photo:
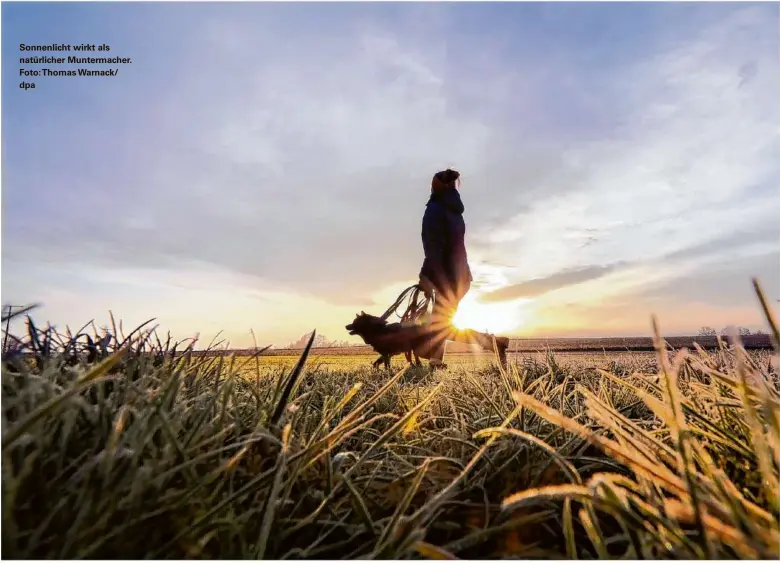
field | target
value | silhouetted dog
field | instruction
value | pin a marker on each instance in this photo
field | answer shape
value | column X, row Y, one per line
column 390, row 339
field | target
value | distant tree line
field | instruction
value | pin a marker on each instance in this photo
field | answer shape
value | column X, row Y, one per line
column 320, row 341
column 742, row 331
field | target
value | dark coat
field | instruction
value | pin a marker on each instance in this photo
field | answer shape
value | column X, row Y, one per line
column 443, row 238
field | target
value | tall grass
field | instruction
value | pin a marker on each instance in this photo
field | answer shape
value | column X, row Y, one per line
column 132, row 447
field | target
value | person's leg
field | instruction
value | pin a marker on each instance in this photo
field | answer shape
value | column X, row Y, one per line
column 440, row 330
column 471, row 336
column 487, row 342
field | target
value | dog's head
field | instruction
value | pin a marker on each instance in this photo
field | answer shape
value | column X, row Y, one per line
column 364, row 324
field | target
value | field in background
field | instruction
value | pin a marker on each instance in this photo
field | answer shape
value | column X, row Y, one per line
column 595, row 352
column 535, row 345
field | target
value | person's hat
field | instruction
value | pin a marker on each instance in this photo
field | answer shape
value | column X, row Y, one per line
column 444, row 179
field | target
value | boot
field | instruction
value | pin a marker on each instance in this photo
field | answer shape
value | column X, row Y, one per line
column 502, row 343
column 498, row 346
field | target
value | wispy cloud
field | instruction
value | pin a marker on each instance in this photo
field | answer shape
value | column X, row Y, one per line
column 534, row 288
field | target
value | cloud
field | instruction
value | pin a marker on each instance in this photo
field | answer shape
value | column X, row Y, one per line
column 744, row 236
column 684, row 295
column 725, row 280
column 536, row 287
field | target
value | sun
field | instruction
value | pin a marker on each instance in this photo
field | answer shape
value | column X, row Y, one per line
column 488, row 317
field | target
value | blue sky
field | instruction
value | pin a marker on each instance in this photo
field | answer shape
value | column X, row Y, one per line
column 266, row 166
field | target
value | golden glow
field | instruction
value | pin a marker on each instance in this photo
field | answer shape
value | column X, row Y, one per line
column 488, row 317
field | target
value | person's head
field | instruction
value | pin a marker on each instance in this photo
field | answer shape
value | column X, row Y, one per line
column 445, row 179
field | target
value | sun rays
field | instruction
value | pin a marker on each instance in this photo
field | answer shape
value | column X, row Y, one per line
column 488, row 317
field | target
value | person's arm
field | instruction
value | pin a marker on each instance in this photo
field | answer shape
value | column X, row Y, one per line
column 433, row 239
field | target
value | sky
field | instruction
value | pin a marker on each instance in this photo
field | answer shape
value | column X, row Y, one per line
column 265, row 167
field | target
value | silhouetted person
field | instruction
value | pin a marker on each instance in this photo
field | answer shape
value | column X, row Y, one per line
column 445, row 271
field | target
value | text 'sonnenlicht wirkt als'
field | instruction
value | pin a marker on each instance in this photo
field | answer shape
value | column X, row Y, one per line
column 79, row 59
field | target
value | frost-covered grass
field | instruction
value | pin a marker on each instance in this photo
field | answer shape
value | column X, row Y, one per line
column 140, row 449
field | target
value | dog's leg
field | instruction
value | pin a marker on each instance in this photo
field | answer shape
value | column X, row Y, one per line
column 387, row 362
column 408, row 354
column 417, row 359
column 378, row 361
